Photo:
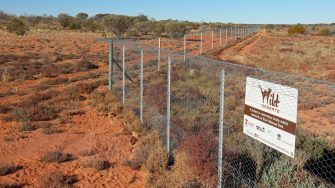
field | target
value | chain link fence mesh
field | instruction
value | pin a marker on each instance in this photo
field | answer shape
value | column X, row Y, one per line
column 195, row 98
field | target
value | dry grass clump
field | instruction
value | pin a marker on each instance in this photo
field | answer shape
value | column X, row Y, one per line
column 149, row 153
column 14, row 185
column 56, row 157
column 6, row 169
column 84, row 65
column 49, row 131
column 87, row 152
column 109, row 104
column 96, row 163
column 26, row 127
column 57, row 180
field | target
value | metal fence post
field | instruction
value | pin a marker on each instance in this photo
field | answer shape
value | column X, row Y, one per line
column 212, row 39
column 141, row 88
column 226, row 35
column 201, row 43
column 221, row 124
column 235, row 33
column 110, row 67
column 185, row 48
column 220, row 37
column 123, row 74
column 231, row 33
column 168, row 106
column 159, row 54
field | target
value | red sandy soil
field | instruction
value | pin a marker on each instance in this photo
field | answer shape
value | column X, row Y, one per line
column 87, row 131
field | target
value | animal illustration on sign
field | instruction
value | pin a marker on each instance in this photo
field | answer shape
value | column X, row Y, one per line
column 271, row 98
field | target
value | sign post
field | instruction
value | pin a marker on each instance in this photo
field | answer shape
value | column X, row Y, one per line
column 270, row 114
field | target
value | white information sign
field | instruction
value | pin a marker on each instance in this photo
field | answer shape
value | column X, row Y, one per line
column 270, row 114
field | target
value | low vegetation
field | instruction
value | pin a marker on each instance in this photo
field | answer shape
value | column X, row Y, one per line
column 96, row 163
column 57, row 180
column 297, row 29
column 6, row 169
column 17, row 26
column 56, row 157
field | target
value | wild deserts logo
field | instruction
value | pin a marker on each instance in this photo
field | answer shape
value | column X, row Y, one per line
column 270, row 99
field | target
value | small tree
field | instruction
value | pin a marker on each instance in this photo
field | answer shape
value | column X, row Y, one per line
column 145, row 27
column 324, row 32
column 159, row 29
column 175, row 29
column 82, row 16
column 65, row 20
column 17, row 26
column 297, row 29
column 117, row 24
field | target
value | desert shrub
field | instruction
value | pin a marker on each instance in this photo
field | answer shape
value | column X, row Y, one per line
column 175, row 29
column 38, row 112
column 66, row 68
column 86, row 88
column 149, row 147
column 107, row 103
column 324, row 32
column 145, row 27
column 297, row 29
column 57, row 180
column 96, row 163
column 75, row 25
column 277, row 172
column 91, row 25
column 49, row 131
column 118, row 24
column 17, row 26
column 51, row 82
column 284, row 173
column 159, row 29
column 84, row 65
column 65, row 20
column 56, row 157
column 26, row 127
column 200, row 154
column 49, row 70
column 132, row 33
column 192, row 184
column 6, row 169
column 12, row 185
column 88, row 152
column 82, row 16
column 4, row 110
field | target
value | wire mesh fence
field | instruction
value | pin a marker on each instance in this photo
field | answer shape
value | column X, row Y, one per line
column 180, row 99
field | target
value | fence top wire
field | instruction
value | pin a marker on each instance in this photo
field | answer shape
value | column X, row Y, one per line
column 136, row 46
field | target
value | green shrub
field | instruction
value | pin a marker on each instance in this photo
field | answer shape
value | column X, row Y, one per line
column 56, row 157
column 26, row 127
column 82, row 16
column 324, row 32
column 75, row 25
column 282, row 168
column 96, row 163
column 175, row 29
column 297, row 29
column 65, row 20
column 17, row 26
column 145, row 27
column 117, row 24
column 132, row 33
column 159, row 29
